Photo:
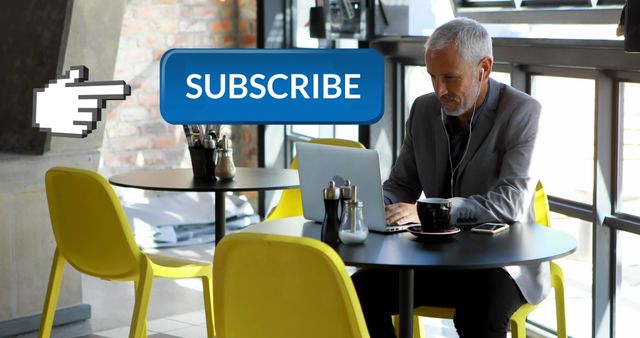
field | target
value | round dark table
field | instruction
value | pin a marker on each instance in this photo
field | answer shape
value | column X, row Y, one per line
column 246, row 179
column 521, row 244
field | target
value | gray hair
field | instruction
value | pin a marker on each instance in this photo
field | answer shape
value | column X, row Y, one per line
column 472, row 40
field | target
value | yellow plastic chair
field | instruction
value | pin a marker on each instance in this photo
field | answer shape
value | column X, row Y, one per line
column 290, row 203
column 519, row 318
column 93, row 235
column 274, row 286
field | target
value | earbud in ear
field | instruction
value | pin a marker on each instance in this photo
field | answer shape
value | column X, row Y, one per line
column 481, row 74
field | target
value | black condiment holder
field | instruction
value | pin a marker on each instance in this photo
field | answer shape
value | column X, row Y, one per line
column 203, row 163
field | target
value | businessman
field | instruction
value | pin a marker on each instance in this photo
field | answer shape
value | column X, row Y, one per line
column 472, row 141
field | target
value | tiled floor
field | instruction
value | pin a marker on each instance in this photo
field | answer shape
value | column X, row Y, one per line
column 175, row 308
column 192, row 325
column 188, row 325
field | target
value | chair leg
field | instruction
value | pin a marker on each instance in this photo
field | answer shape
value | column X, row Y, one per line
column 207, row 291
column 396, row 324
column 53, row 291
column 418, row 332
column 417, row 328
column 560, row 311
column 143, row 292
column 518, row 329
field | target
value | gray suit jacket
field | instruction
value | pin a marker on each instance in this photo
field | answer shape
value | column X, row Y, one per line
column 495, row 181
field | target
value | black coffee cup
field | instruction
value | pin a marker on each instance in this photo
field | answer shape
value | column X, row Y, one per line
column 203, row 163
column 433, row 214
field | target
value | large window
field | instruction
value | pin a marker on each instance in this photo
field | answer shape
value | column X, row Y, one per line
column 566, row 141
column 566, row 135
column 302, row 39
column 565, row 54
column 577, row 269
column 567, row 162
column 558, row 19
column 630, row 103
column 628, row 295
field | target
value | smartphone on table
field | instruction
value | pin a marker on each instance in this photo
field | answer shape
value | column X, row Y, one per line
column 490, row 228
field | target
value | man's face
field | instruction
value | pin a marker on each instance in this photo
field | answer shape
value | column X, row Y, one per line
column 455, row 81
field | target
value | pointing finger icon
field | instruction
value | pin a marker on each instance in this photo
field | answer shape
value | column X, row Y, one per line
column 70, row 106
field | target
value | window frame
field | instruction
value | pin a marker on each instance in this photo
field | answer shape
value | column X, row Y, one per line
column 605, row 61
column 607, row 64
column 541, row 11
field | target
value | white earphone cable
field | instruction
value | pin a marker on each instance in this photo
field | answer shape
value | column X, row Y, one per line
column 442, row 115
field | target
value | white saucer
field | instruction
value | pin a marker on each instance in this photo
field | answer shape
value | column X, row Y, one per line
column 416, row 230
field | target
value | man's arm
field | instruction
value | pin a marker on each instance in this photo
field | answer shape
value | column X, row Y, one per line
column 401, row 213
column 509, row 198
column 403, row 184
column 403, row 187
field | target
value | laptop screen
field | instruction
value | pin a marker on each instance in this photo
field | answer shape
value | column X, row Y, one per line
column 318, row 164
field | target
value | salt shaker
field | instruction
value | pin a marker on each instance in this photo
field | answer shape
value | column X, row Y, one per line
column 330, row 224
column 353, row 230
column 225, row 169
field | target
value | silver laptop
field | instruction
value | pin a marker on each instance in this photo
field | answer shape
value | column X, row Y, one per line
column 318, row 164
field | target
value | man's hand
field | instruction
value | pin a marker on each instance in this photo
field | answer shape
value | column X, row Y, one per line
column 69, row 106
column 401, row 213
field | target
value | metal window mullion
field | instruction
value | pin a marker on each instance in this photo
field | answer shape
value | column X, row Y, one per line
column 399, row 112
column 571, row 208
column 603, row 236
column 619, row 137
column 289, row 28
column 326, row 131
column 574, row 72
column 262, row 208
column 364, row 130
column 626, row 223
column 520, row 79
column 614, row 279
column 617, row 158
column 501, row 67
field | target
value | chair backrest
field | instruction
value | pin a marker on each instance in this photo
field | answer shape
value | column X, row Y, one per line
column 541, row 206
column 89, row 225
column 269, row 286
column 290, row 203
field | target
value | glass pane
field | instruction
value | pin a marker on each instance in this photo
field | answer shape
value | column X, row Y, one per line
column 630, row 103
column 566, row 135
column 501, row 77
column 347, row 132
column 555, row 3
column 303, row 38
column 416, row 82
column 577, row 269
column 628, row 295
column 555, row 31
column 487, row 3
column 312, row 131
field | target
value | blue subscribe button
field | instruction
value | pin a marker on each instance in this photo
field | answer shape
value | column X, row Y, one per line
column 271, row 86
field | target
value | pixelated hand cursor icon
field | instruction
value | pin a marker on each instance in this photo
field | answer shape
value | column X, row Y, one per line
column 69, row 106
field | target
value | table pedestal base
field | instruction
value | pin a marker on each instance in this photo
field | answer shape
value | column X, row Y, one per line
column 221, row 217
column 406, row 303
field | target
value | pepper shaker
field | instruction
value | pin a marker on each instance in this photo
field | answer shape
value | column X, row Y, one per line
column 346, row 194
column 330, row 224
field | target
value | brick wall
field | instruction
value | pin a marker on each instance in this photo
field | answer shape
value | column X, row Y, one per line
column 136, row 135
